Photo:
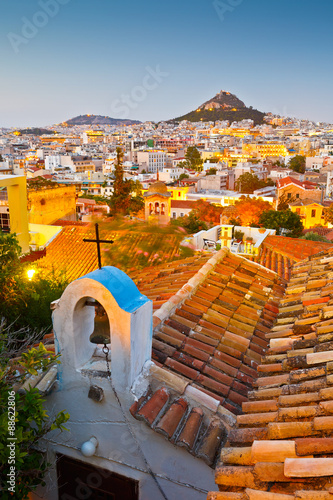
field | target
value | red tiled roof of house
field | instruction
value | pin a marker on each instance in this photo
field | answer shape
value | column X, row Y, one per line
column 61, row 222
column 282, row 445
column 304, row 202
column 182, row 204
column 86, row 201
column 68, row 253
column 323, row 231
column 291, row 180
column 33, row 256
column 279, row 253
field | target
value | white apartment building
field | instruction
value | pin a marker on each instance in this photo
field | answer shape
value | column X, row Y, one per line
column 246, row 167
column 52, row 162
column 314, row 163
column 171, row 174
column 152, row 161
column 214, row 182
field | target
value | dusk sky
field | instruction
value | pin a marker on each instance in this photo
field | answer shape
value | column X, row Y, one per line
column 86, row 57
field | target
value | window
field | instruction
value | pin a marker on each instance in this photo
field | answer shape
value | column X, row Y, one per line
column 313, row 213
column 92, row 483
column 297, row 195
column 181, row 214
column 4, row 222
column 174, row 215
column 289, row 196
column 298, row 211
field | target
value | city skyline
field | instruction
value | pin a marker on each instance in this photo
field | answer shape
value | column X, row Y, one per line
column 63, row 58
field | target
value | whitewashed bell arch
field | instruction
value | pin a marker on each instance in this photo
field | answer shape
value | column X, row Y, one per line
column 130, row 317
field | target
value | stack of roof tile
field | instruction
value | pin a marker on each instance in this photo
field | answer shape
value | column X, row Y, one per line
column 282, row 446
column 279, row 253
column 198, row 431
column 212, row 332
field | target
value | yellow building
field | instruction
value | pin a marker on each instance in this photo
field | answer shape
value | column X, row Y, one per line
column 177, row 193
column 310, row 211
column 16, row 204
column 48, row 204
column 93, row 137
column 264, row 150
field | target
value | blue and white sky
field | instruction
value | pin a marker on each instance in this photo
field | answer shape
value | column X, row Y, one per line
column 87, row 56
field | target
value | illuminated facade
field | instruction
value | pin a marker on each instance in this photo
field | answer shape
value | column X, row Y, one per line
column 310, row 212
column 16, row 207
column 93, row 137
column 265, row 150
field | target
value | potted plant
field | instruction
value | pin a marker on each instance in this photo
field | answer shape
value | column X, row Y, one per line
column 238, row 235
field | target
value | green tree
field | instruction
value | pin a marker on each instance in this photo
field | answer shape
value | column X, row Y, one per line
column 314, row 237
column 183, row 164
column 183, row 176
column 211, row 171
column 121, row 201
column 23, row 301
column 247, row 183
column 328, row 214
column 207, row 212
column 191, row 223
column 283, row 219
column 297, row 164
column 12, row 298
column 193, row 158
column 31, row 420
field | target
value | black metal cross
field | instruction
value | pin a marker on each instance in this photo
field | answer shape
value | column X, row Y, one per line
column 98, row 241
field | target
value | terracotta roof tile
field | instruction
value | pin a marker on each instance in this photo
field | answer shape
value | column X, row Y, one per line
column 183, row 424
column 289, row 418
column 151, row 409
column 172, row 418
column 278, row 253
column 191, row 429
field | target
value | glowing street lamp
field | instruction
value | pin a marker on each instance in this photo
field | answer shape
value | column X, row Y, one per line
column 31, row 273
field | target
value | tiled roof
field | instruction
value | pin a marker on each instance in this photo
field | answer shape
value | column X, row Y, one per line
column 182, row 203
column 212, row 331
column 323, row 231
column 68, row 252
column 160, row 283
column 304, row 202
column 282, row 446
column 33, row 256
column 279, row 253
column 61, row 222
column 291, row 180
column 185, row 425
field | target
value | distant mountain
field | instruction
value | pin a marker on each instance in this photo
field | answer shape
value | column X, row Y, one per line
column 223, row 106
column 97, row 120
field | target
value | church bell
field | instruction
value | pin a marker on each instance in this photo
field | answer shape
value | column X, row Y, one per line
column 101, row 333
